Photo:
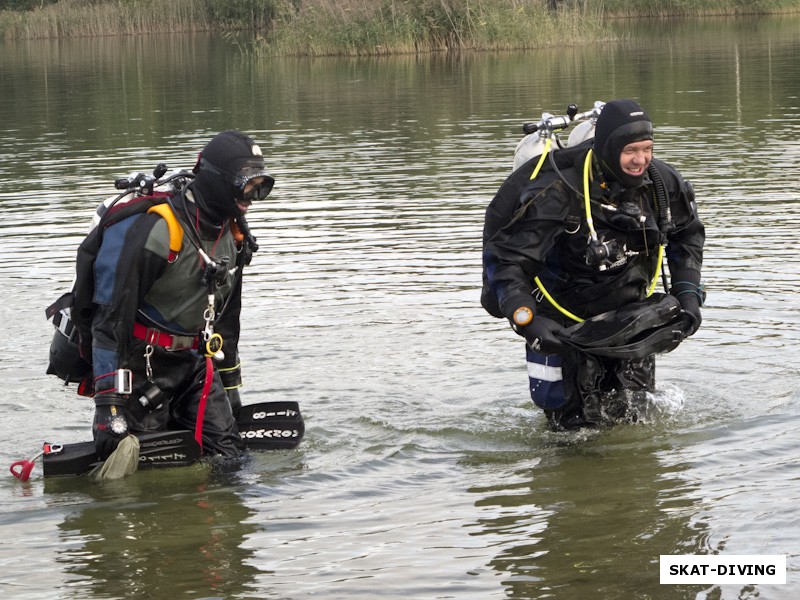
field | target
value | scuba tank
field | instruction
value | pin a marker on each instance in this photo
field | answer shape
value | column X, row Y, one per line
column 541, row 140
column 543, row 137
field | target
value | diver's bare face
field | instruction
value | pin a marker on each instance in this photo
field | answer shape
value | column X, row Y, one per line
column 635, row 158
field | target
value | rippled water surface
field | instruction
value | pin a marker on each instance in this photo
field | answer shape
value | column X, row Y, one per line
column 425, row 471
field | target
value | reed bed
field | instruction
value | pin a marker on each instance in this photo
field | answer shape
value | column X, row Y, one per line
column 79, row 18
column 358, row 27
column 675, row 8
column 415, row 26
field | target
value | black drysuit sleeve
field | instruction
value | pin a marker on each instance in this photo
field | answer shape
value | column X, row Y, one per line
column 517, row 252
column 686, row 240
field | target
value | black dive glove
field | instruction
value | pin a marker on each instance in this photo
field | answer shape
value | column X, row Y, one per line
column 540, row 333
column 691, row 296
column 110, row 425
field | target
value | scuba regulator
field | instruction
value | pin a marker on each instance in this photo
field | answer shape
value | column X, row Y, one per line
column 606, row 254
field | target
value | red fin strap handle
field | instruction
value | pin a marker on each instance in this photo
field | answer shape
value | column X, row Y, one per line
column 21, row 469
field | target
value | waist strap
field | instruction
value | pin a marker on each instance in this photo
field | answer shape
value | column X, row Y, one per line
column 165, row 340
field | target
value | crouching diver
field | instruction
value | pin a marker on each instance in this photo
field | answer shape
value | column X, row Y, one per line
column 165, row 316
column 575, row 269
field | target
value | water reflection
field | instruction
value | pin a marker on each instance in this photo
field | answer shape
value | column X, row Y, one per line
column 590, row 518
column 158, row 531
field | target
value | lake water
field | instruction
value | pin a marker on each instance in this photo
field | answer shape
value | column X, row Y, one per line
column 425, row 471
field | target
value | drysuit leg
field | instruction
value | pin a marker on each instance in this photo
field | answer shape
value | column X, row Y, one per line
column 584, row 377
column 179, row 378
column 561, row 384
column 629, row 382
column 580, row 390
column 607, row 389
column 220, row 434
column 637, row 374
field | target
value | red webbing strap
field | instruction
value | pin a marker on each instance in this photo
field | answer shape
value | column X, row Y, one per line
column 201, row 410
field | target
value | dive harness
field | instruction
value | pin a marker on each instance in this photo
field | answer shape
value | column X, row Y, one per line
column 639, row 329
column 664, row 221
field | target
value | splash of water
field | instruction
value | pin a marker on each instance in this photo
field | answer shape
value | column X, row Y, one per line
column 655, row 407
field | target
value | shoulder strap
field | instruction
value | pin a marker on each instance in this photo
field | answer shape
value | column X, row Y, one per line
column 175, row 229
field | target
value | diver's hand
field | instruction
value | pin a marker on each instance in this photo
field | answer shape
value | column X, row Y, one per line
column 691, row 297
column 690, row 305
column 109, row 427
column 541, row 335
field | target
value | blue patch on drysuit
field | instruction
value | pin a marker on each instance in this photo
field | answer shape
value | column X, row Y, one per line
column 103, row 362
column 107, row 261
column 545, row 379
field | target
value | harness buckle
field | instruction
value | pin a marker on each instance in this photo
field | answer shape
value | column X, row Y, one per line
column 181, row 342
column 170, row 343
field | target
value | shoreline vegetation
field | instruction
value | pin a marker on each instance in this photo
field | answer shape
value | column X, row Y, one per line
column 359, row 27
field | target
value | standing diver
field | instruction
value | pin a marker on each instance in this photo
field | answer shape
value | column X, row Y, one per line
column 165, row 321
column 588, row 238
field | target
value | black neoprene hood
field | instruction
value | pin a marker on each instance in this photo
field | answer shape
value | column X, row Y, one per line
column 226, row 163
column 231, row 151
column 621, row 122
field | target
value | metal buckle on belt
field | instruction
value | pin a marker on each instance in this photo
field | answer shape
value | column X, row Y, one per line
column 171, row 343
column 180, row 342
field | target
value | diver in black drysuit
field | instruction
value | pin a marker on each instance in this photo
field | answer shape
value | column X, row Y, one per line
column 152, row 308
column 585, row 276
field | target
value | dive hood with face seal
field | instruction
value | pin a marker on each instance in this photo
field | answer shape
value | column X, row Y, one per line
column 621, row 122
column 227, row 164
column 637, row 330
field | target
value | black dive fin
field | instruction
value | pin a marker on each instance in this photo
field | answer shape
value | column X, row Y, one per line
column 263, row 426
column 271, row 425
column 158, row 449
